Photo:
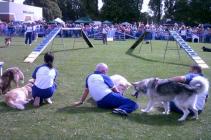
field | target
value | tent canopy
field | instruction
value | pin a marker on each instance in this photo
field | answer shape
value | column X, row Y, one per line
column 84, row 20
column 125, row 23
column 107, row 22
column 59, row 20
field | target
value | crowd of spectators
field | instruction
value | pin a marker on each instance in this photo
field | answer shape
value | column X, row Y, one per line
column 124, row 30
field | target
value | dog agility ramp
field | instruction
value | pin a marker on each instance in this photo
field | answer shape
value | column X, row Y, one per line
column 192, row 54
column 41, row 47
column 140, row 39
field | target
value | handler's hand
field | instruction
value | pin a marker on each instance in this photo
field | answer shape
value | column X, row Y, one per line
column 78, row 103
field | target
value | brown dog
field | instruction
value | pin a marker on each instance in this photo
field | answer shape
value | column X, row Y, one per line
column 18, row 97
column 11, row 74
column 7, row 41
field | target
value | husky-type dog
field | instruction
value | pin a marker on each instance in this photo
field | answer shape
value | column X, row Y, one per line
column 164, row 91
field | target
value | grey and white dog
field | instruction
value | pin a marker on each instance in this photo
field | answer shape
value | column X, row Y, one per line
column 163, row 91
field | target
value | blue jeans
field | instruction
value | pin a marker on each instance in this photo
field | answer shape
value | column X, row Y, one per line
column 115, row 100
column 28, row 38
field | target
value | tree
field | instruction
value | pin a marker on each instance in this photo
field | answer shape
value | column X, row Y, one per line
column 91, row 8
column 74, row 9
column 120, row 10
column 188, row 11
column 51, row 9
column 169, row 8
column 156, row 6
column 71, row 9
column 200, row 11
column 145, row 18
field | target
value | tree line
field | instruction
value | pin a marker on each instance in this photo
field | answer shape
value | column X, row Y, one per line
column 187, row 11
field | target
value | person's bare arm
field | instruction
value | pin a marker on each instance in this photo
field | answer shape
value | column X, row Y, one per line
column 114, row 89
column 180, row 79
column 83, row 98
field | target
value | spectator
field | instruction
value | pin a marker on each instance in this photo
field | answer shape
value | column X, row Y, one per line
column 28, row 34
column 104, row 34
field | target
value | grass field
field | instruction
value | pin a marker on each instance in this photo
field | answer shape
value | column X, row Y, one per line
column 61, row 121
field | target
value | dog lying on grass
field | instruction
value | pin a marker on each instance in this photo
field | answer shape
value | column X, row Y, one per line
column 163, row 90
column 11, row 74
column 18, row 97
column 205, row 49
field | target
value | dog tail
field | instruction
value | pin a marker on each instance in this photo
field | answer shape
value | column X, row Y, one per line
column 200, row 84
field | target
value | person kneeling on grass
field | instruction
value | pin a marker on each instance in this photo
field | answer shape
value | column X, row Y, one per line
column 194, row 71
column 44, row 81
column 105, row 94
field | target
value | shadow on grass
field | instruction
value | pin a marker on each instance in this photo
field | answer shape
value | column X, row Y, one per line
column 73, row 49
column 155, row 119
column 83, row 109
column 142, row 118
column 5, row 109
column 129, row 52
column 58, row 51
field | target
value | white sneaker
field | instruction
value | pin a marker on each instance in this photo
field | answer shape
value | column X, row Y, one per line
column 120, row 112
column 48, row 100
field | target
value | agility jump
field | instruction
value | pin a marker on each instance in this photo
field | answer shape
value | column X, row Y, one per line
column 48, row 39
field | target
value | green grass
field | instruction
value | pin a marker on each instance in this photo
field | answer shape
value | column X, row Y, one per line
column 61, row 121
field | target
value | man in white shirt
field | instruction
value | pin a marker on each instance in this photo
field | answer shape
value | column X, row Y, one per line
column 102, row 90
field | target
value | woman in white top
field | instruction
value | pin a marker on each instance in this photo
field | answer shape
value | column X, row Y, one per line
column 28, row 34
column 44, row 77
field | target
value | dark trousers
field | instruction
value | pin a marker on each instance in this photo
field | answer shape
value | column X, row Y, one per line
column 104, row 37
column 28, row 38
column 115, row 100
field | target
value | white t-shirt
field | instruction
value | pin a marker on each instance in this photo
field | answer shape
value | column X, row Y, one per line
column 44, row 76
column 99, row 86
column 29, row 29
